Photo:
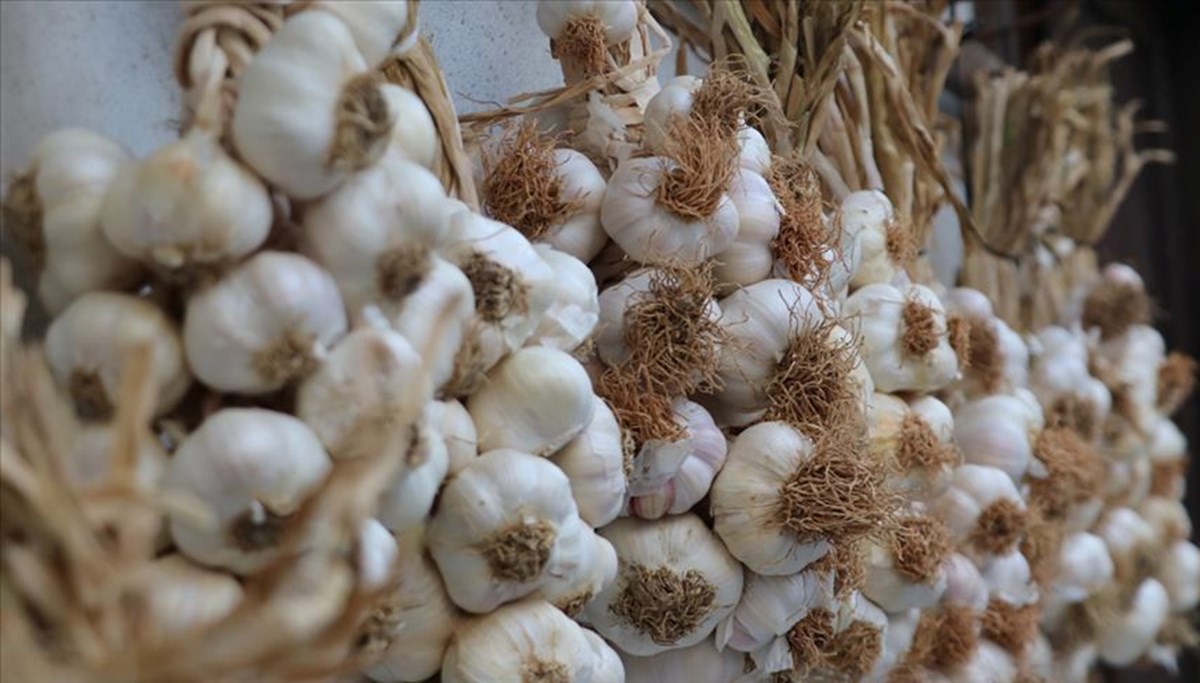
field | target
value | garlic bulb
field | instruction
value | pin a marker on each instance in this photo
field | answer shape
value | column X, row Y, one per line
column 994, row 358
column 266, row 323
column 407, row 500
column 1061, row 381
column 309, row 113
column 1008, row 578
column 377, row 232
column 1128, row 637
column 572, row 318
column 594, row 462
column 513, row 286
column 998, row 431
column 380, row 29
column 453, row 422
column 781, row 500
column 377, row 554
column 253, row 468
column 1167, row 460
column 1084, row 567
column 749, row 258
column 182, row 598
column 1129, row 366
column 651, row 229
column 371, row 380
column 906, row 571
column 415, row 621
column 671, row 477
column 415, row 135
column 536, row 400
column 55, row 208
column 595, row 567
column 675, row 582
column 525, row 641
column 990, row 664
column 489, row 551
column 674, row 101
column 88, row 344
column 965, row 586
column 187, row 204
column 868, row 217
column 982, row 510
column 755, row 152
column 1168, row 517
column 906, row 342
column 1130, row 540
column 609, row 668
column 772, row 605
column 700, row 662
column 918, row 437
column 1180, row 575
column 89, row 462
column 617, row 18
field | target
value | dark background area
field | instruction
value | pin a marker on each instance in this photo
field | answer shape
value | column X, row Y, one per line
column 1157, row 229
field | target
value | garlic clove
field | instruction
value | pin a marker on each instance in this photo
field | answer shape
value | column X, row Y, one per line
column 268, row 322
column 415, row 135
column 536, row 400
column 407, row 500
column 88, row 345
column 488, row 551
column 253, row 469
column 571, row 319
column 675, row 583
column 617, row 18
column 755, row 152
column 585, row 565
column 380, row 29
column 749, row 258
column 377, row 554
column 868, row 217
column 672, row 477
column 595, row 463
column 453, row 422
column 672, row 102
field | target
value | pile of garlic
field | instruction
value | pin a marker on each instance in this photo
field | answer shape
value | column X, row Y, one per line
column 674, row 420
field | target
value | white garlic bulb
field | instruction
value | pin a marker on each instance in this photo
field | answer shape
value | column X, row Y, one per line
column 983, row 511
column 253, row 468
column 524, row 641
column 453, row 422
column 572, row 318
column 700, row 662
column 1180, row 575
column 755, row 152
column 1009, row 579
column 380, row 29
column 674, row 101
column 868, row 217
column 309, row 113
column 771, row 605
column 89, row 462
column 670, row 478
column 594, row 462
column 1084, row 567
column 965, row 586
column 749, row 258
column 377, row 554
column 1129, row 366
column 990, row 664
column 181, row 598
column 88, row 344
column 409, row 497
column 609, row 667
column 1168, row 517
column 675, row 583
column 415, row 621
column 919, row 437
column 998, row 431
column 536, row 400
column 906, row 571
column 1060, row 379
column 488, row 550
column 266, row 323
column 1128, row 637
column 617, row 17
column 56, row 205
column 377, row 233
column 356, row 400
column 635, row 217
column 781, row 501
column 187, row 204
column 594, row 563
column 905, row 336
column 415, row 135
column 1127, row 536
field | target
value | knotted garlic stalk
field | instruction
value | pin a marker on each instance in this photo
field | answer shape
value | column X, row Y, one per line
column 906, row 338
column 54, row 209
column 675, row 583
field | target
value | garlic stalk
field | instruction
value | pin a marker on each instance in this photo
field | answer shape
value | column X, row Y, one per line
column 253, row 469
column 88, row 344
column 675, row 583
column 595, row 463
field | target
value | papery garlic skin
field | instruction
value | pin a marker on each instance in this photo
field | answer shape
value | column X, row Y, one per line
column 377, row 233
column 594, row 566
column 866, row 216
column 700, row 662
column 571, row 319
column 647, row 231
column 536, row 400
column 187, row 204
column 70, row 172
column 672, row 477
column 436, row 318
column 1180, row 576
column 619, row 17
column 667, row 565
column 674, row 101
column 528, row 640
column 749, row 258
column 489, row 551
column 414, row 136
column 264, row 324
column 409, row 497
column 1122, row 641
column 370, row 380
column 615, row 303
column 292, row 95
column 594, row 462
column 182, row 598
column 887, row 338
column 998, row 431
column 253, row 468
column 88, row 344
column 579, row 233
column 453, row 422
column 417, row 633
column 771, row 605
column 380, row 29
